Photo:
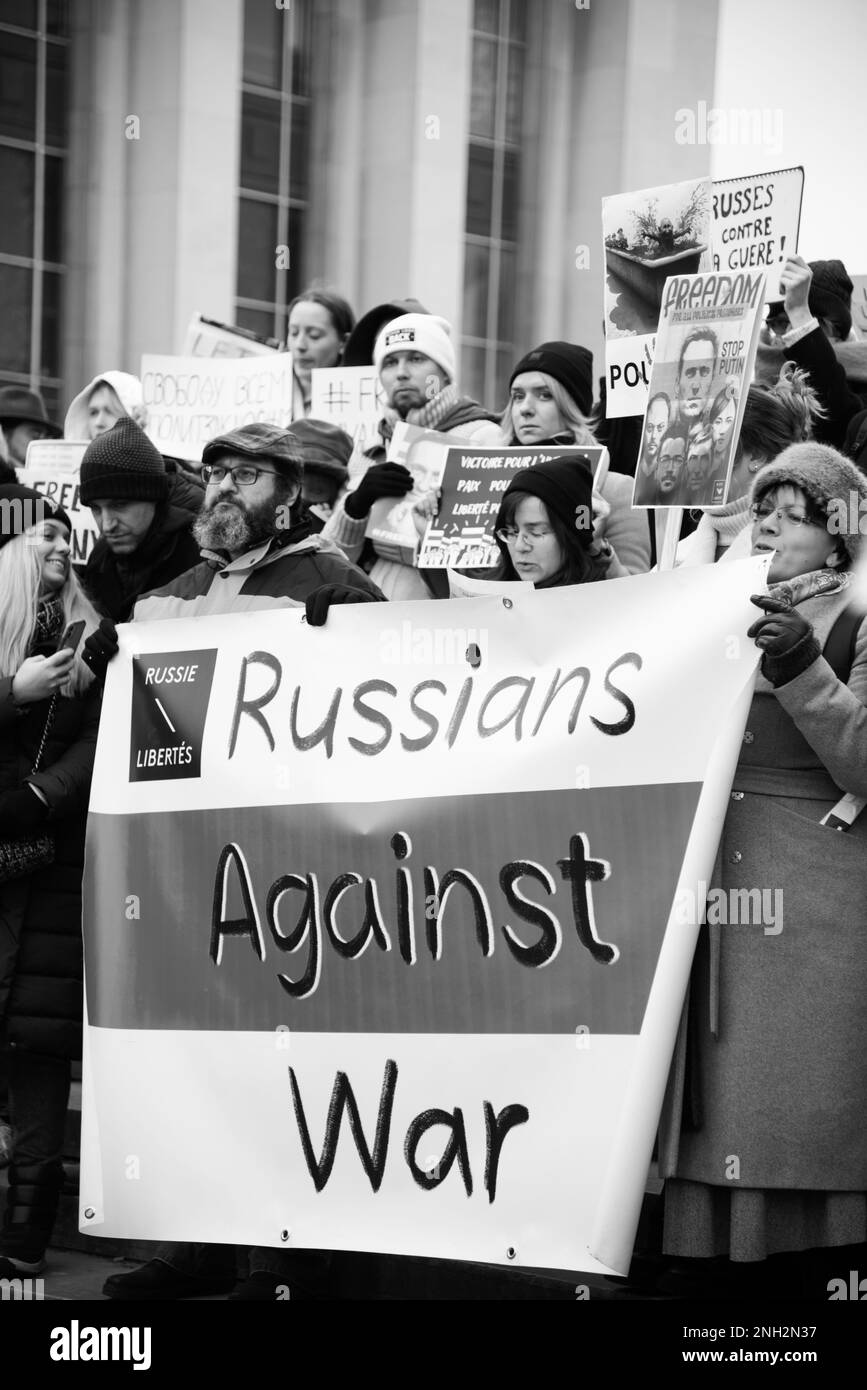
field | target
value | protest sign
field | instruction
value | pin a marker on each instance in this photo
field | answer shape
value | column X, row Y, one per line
column 754, row 223
column 859, row 304
column 375, row 915
column 190, row 400
column 210, row 338
column 52, row 468
column 705, row 349
column 391, row 523
column 351, row 398
column 648, row 236
column 56, row 455
column 473, row 483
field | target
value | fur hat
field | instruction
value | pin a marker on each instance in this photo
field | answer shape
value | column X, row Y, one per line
column 122, row 463
column 128, row 390
column 835, row 487
column 568, row 363
column 426, row 333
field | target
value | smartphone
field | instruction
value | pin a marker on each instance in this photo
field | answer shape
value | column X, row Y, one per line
column 72, row 636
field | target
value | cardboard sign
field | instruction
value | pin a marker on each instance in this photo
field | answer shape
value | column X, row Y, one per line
column 190, row 400
column 352, row 399
column 705, row 350
column 859, row 304
column 473, row 483
column 754, row 223
column 210, row 338
column 410, row 948
column 52, row 468
column 648, row 236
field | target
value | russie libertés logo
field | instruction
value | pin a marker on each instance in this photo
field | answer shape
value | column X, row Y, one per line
column 170, row 694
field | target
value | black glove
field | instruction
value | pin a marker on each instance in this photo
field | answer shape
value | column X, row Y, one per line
column 318, row 603
column 786, row 639
column 380, row 480
column 100, row 647
column 21, row 811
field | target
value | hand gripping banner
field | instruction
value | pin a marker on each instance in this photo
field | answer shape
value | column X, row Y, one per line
column 380, row 940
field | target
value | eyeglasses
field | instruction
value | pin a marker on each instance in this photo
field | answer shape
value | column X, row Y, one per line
column 509, row 534
column 243, row 475
column 761, row 511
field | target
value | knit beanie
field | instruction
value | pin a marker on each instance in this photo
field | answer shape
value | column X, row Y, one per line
column 564, row 485
column 568, row 363
column 359, row 345
column 325, row 448
column 836, row 488
column 830, row 294
column 426, row 333
column 123, row 464
column 126, row 387
column 22, row 507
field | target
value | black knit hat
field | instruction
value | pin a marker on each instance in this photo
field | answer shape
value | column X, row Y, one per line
column 123, row 464
column 564, row 485
column 22, row 507
column 830, row 294
column 568, row 363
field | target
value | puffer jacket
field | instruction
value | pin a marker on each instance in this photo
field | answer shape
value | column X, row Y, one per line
column 40, row 914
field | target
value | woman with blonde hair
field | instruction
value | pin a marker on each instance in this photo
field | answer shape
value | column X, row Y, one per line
column 49, row 714
column 550, row 399
column 107, row 399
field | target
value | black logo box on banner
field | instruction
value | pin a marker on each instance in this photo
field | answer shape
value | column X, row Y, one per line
column 170, row 696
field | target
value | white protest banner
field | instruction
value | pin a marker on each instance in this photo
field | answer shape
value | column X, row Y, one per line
column 190, row 400
column 754, row 223
column 648, row 235
column 374, row 914
column 859, row 304
column 471, row 491
column 52, row 468
column 210, row 338
column 351, row 398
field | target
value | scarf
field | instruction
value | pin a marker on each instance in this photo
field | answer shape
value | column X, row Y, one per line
column 48, row 628
column 804, row 586
column 427, row 416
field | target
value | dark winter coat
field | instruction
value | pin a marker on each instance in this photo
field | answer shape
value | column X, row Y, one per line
column 40, row 914
column 166, row 551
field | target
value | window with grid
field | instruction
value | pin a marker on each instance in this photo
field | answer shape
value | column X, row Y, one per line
column 34, row 44
column 496, row 103
column 275, row 163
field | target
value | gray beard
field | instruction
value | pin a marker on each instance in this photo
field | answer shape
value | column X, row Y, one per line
column 226, row 526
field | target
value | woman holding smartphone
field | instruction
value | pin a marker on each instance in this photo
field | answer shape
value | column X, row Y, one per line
column 49, row 714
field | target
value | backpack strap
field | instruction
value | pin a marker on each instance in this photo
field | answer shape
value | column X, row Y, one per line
column 839, row 650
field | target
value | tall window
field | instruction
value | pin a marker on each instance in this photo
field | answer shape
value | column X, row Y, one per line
column 496, row 102
column 34, row 46
column 275, row 163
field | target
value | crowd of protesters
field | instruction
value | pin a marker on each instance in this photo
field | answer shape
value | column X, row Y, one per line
column 769, row 1061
